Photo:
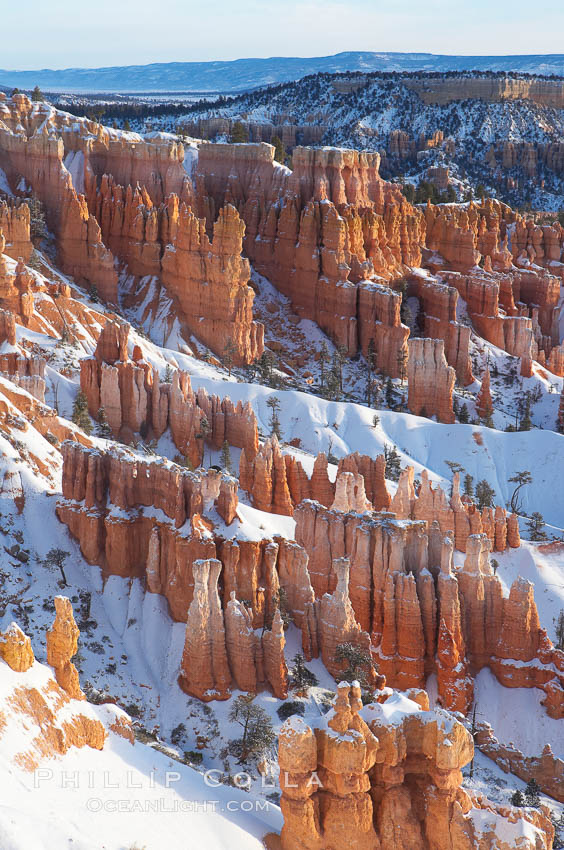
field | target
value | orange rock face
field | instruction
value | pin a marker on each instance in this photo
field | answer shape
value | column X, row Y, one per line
column 62, row 644
column 421, row 615
column 430, row 381
column 210, row 282
column 135, row 399
column 357, row 780
column 14, row 224
column 15, row 649
column 221, row 648
column 547, row 770
column 484, row 405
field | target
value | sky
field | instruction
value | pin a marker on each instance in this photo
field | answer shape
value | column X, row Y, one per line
column 68, row 33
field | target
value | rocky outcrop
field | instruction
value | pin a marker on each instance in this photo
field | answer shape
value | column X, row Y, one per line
column 62, row 644
column 23, row 369
column 137, row 400
column 439, row 305
column 15, row 649
column 277, row 483
column 16, row 295
column 222, row 650
column 422, row 615
column 547, row 769
column 14, row 224
column 430, row 380
column 40, row 717
column 337, row 224
column 210, row 281
column 484, row 405
column 361, row 779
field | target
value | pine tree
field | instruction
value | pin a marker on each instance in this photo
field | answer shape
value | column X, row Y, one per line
column 463, row 416
column 279, row 149
column 37, row 95
column 127, row 125
column 390, row 397
column 300, row 678
column 532, row 794
column 520, row 479
column 225, row 457
column 517, row 799
column 103, row 427
column 469, row 485
column 203, row 433
column 80, row 415
column 402, row 364
column 258, row 733
column 338, row 360
column 535, row 526
column 484, row 495
column 559, row 623
column 37, row 225
column 370, row 366
column 57, row 558
column 229, row 351
column 393, row 463
column 239, row 133
column 274, row 422
column 167, row 377
column 358, row 663
column 323, row 361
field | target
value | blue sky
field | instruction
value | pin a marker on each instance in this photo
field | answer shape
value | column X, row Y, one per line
column 64, row 33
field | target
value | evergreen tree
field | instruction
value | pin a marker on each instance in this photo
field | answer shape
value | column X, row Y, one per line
column 228, row 353
column 37, row 95
column 464, row 416
column 167, row 377
column 57, row 558
column 239, row 133
column 520, row 479
column 370, row 366
column 358, row 663
column 37, row 225
column 258, row 733
column 469, row 485
column 390, row 397
column 338, row 360
column 484, row 495
column 535, row 526
column 202, row 434
column 80, row 415
column 279, row 149
column 225, row 457
column 402, row 364
column 300, row 678
column 127, row 125
column 323, row 361
column 532, row 794
column 559, row 623
column 103, row 426
column 393, row 463
column 274, row 422
column 517, row 799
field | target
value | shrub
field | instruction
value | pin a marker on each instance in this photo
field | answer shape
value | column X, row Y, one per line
column 290, row 707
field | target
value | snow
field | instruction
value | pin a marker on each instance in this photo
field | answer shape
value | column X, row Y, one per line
column 508, row 714
column 116, row 797
column 74, row 163
column 4, row 185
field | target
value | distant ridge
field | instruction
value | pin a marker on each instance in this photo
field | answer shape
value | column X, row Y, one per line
column 244, row 74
